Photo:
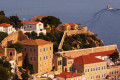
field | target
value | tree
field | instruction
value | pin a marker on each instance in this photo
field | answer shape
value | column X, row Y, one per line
column 25, row 75
column 51, row 20
column 33, row 35
column 5, row 69
column 26, row 62
column 15, row 21
column 3, row 35
column 114, row 56
column 17, row 46
column 2, row 13
column 4, row 19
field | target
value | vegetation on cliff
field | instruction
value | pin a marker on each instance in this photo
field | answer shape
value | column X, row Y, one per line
column 52, row 21
column 80, row 41
column 2, row 35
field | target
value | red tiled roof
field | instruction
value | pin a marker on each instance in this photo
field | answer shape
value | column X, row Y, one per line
column 5, row 25
column 68, row 24
column 1, row 54
column 104, row 53
column 29, row 22
column 68, row 75
column 86, row 59
column 35, row 42
column 37, row 17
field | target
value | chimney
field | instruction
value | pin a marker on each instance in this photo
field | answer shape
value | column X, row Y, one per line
column 23, row 19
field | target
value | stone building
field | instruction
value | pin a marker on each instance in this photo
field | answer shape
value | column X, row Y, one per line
column 40, row 54
column 68, row 26
column 92, row 63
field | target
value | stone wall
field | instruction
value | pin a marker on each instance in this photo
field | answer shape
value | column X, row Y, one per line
column 13, row 38
column 79, row 52
column 71, row 32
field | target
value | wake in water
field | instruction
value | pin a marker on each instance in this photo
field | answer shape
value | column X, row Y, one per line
column 97, row 16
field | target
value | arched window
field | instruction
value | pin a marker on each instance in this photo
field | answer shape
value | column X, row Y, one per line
column 10, row 53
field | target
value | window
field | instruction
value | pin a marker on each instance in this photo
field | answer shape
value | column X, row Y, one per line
column 24, row 49
column 96, row 68
column 34, row 58
column 30, row 26
column 44, row 57
column 10, row 53
column 104, row 67
column 30, row 50
column 44, row 49
column 40, row 29
column 40, row 58
column 50, row 48
column 104, row 75
column 40, row 50
column 88, row 70
column 34, row 50
column 85, row 70
column 50, row 56
column 91, row 69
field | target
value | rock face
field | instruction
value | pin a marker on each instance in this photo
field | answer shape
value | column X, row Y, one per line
column 80, row 41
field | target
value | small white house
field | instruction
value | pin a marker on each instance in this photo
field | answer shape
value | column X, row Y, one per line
column 4, row 27
column 29, row 26
column 12, row 62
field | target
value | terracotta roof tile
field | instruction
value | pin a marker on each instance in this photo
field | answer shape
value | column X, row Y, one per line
column 29, row 22
column 104, row 53
column 5, row 25
column 87, row 59
column 35, row 42
column 37, row 17
column 68, row 75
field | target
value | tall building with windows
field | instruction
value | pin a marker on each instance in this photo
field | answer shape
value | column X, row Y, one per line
column 40, row 54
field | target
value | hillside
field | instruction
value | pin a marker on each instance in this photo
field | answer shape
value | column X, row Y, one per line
column 80, row 41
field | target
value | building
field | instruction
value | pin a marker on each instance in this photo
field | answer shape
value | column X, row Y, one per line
column 29, row 26
column 68, row 26
column 70, row 76
column 92, row 63
column 37, row 18
column 40, row 54
column 4, row 27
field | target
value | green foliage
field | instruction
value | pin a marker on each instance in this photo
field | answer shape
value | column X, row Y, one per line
column 4, row 19
column 80, row 41
column 25, row 75
column 15, row 21
column 114, row 56
column 5, row 69
column 51, row 20
column 17, row 46
column 53, row 36
column 32, row 35
column 27, row 65
column 3, row 35
column 26, row 62
column 2, row 13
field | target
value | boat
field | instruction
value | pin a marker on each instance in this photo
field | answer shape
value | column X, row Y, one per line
column 109, row 7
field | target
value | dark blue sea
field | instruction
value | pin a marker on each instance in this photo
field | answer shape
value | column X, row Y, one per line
column 91, row 13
